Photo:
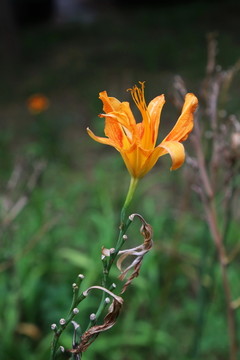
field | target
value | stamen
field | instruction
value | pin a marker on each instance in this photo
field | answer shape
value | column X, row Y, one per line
column 139, row 99
column 138, row 96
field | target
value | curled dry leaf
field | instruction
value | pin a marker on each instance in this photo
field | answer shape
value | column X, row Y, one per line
column 138, row 252
column 110, row 319
column 107, row 252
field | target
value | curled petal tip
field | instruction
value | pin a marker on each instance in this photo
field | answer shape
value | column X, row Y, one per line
column 190, row 97
column 176, row 151
column 99, row 139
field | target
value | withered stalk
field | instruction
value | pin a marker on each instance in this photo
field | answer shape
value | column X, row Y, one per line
column 209, row 167
column 208, row 200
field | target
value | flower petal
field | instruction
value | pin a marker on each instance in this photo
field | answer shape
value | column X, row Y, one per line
column 100, row 139
column 184, row 125
column 176, row 151
column 121, row 118
column 118, row 129
column 125, row 108
column 149, row 160
column 109, row 103
column 113, row 130
column 155, row 108
column 133, row 160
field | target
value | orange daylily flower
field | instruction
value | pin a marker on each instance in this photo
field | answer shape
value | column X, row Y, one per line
column 37, row 103
column 136, row 142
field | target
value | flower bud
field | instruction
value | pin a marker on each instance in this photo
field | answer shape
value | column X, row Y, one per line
column 62, row 321
column 93, row 317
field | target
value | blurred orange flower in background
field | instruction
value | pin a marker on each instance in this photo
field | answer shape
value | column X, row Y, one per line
column 37, row 103
column 136, row 142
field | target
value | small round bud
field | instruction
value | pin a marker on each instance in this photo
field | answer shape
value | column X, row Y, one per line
column 75, row 311
column 62, row 349
column 74, row 286
column 125, row 237
column 93, row 317
column 62, row 321
column 107, row 300
column 81, row 276
column 131, row 217
column 112, row 287
column 54, row 326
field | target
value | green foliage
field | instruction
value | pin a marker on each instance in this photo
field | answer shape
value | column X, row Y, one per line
column 60, row 233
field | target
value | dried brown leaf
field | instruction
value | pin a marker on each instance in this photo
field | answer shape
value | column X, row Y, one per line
column 138, row 252
column 110, row 319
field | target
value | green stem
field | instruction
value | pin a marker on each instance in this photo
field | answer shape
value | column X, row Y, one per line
column 124, row 224
column 131, row 190
column 71, row 315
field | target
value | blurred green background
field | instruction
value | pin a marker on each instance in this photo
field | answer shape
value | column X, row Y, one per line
column 61, row 193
